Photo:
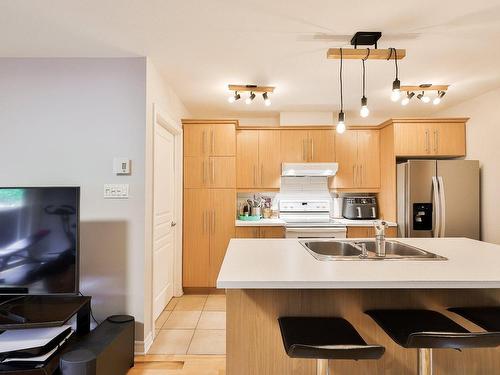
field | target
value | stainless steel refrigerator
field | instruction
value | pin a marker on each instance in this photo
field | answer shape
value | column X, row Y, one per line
column 438, row 198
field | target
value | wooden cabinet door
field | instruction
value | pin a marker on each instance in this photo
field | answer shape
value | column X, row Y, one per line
column 358, row 232
column 448, row 139
column 412, row 139
column 293, row 146
column 222, row 212
column 368, row 159
column 222, row 172
column 247, row 232
column 196, row 172
column 222, row 140
column 196, row 238
column 321, row 146
column 247, row 158
column 196, row 139
column 272, row 232
column 269, row 170
column 346, row 146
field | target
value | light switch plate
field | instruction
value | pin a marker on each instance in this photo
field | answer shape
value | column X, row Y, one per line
column 121, row 166
column 116, row 191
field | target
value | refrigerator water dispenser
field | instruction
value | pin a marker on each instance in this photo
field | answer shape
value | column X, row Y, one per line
column 422, row 216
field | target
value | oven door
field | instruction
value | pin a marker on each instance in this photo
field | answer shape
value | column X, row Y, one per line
column 315, row 232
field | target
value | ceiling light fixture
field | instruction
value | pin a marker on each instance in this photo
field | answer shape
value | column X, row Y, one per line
column 341, row 124
column 234, row 97
column 396, row 84
column 437, row 99
column 364, row 111
column 423, row 97
column 408, row 97
column 267, row 101
column 250, row 98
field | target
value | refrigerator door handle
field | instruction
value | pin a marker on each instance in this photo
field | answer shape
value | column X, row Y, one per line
column 442, row 204
column 437, row 206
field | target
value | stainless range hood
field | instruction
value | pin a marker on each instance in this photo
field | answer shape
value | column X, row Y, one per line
column 309, row 169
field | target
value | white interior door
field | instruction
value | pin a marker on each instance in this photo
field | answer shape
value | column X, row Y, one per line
column 164, row 219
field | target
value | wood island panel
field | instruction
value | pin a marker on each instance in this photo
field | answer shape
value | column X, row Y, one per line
column 254, row 344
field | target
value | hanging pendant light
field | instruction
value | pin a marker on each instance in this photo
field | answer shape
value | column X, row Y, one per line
column 364, row 111
column 396, row 84
column 341, row 123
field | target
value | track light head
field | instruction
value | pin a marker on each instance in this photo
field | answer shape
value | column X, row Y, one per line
column 396, row 90
column 408, row 97
column 234, row 97
column 341, row 124
column 267, row 101
column 424, row 98
column 437, row 99
column 250, row 98
column 364, row 111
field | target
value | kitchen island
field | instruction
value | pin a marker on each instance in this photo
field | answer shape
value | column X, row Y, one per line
column 266, row 279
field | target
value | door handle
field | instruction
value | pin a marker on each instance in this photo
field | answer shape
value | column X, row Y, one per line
column 173, row 224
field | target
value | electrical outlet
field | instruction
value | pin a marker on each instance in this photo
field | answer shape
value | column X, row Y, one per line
column 116, row 191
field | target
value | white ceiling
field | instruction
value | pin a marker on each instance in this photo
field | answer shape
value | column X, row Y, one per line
column 201, row 46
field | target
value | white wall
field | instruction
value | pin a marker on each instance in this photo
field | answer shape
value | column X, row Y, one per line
column 61, row 123
column 483, row 143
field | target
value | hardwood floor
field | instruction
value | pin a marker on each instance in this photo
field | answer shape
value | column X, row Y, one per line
column 179, row 365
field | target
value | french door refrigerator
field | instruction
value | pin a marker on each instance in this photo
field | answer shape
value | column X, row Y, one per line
column 438, row 198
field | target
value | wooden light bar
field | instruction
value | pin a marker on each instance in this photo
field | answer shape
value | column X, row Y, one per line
column 425, row 88
column 252, row 88
column 360, row 54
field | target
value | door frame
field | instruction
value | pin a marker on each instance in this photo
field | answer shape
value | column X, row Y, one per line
column 163, row 120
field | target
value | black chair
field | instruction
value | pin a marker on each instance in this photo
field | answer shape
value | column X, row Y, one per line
column 487, row 318
column 323, row 339
column 426, row 330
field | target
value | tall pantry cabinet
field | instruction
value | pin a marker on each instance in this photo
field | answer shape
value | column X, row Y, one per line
column 209, row 199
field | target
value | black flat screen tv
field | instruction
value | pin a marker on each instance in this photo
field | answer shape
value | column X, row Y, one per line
column 39, row 240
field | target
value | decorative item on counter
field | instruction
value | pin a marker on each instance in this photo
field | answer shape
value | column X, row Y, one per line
column 266, row 211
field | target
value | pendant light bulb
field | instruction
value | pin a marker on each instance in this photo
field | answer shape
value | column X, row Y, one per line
column 396, row 92
column 250, row 98
column 267, row 101
column 341, row 124
column 364, row 111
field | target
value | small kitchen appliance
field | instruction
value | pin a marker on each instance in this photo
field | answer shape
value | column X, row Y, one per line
column 360, row 208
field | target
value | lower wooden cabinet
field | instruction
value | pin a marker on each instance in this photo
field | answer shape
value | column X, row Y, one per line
column 208, row 227
column 369, row 232
column 260, row 232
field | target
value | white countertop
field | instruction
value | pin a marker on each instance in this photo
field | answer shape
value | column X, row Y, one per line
column 285, row 264
column 261, row 223
column 281, row 223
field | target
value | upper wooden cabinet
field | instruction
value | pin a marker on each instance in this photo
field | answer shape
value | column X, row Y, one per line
column 257, row 158
column 421, row 139
column 298, row 145
column 209, row 139
column 358, row 156
column 209, row 172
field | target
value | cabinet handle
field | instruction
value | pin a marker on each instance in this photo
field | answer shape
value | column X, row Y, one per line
column 261, row 174
column 204, row 141
column 213, row 171
column 304, row 150
column 212, row 141
column 255, row 233
column 427, row 141
column 205, row 222
column 312, row 149
column 362, row 177
column 436, row 140
column 213, row 221
column 204, row 172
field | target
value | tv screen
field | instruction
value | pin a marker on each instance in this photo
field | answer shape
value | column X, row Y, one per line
column 39, row 237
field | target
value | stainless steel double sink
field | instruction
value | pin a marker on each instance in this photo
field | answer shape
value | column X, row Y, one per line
column 327, row 250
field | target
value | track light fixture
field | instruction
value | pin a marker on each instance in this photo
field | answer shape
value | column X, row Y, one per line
column 267, row 101
column 234, row 97
column 438, row 98
column 364, row 111
column 423, row 97
column 396, row 84
column 341, row 124
column 407, row 98
column 250, row 98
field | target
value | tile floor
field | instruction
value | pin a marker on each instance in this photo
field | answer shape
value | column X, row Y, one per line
column 192, row 324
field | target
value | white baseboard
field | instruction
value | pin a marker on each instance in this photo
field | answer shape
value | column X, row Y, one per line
column 142, row 347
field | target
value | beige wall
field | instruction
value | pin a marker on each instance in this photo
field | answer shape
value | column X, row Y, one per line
column 483, row 143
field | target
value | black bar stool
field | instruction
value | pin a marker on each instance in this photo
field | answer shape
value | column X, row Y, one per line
column 487, row 318
column 426, row 330
column 324, row 339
